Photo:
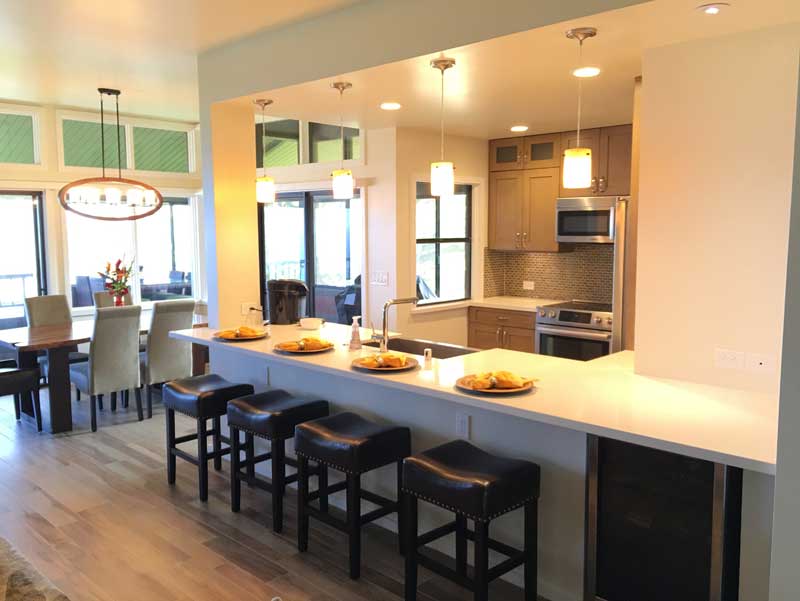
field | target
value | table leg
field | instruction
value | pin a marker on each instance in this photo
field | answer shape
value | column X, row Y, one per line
column 58, row 384
column 27, row 359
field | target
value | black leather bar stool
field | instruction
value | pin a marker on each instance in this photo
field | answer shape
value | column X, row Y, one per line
column 203, row 398
column 272, row 415
column 19, row 381
column 478, row 486
column 353, row 445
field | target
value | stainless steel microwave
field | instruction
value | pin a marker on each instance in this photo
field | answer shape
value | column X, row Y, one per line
column 586, row 219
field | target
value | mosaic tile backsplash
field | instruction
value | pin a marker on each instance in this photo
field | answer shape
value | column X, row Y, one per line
column 586, row 273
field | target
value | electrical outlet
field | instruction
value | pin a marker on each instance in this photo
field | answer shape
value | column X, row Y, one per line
column 528, row 285
column 463, row 423
column 728, row 359
column 758, row 363
column 379, row 278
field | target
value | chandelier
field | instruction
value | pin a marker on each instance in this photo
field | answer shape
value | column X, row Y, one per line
column 110, row 198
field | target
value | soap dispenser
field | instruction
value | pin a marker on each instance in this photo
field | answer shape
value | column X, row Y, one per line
column 355, row 337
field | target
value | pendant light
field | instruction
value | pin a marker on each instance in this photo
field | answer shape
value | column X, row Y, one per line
column 265, row 185
column 577, row 170
column 442, row 172
column 342, row 179
column 110, row 198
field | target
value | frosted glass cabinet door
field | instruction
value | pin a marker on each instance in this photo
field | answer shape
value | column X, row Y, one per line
column 506, row 154
column 542, row 151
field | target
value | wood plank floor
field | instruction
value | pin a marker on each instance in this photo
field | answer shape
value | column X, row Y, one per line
column 93, row 512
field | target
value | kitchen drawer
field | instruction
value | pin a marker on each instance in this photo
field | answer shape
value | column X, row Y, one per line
column 500, row 317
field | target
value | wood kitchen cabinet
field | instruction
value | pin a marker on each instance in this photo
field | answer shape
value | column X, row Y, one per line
column 611, row 160
column 506, row 154
column 530, row 152
column 498, row 328
column 522, row 209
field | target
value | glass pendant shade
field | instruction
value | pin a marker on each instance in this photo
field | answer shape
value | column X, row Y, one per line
column 265, row 189
column 442, row 179
column 577, row 171
column 343, row 184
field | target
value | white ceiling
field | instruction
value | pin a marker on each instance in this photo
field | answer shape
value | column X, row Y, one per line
column 525, row 78
column 61, row 51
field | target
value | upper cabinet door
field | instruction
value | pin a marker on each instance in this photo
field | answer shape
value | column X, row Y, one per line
column 590, row 138
column 614, row 175
column 542, row 151
column 506, row 154
column 541, row 192
column 506, row 200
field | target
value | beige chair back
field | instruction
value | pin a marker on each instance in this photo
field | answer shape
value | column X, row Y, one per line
column 104, row 299
column 51, row 310
column 167, row 358
column 114, row 350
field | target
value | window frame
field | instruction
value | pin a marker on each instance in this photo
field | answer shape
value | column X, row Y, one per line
column 35, row 115
column 40, row 239
column 437, row 240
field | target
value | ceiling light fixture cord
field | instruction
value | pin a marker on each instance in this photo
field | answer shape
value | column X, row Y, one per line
column 580, row 90
column 341, row 125
column 263, row 139
column 441, row 114
column 119, row 151
column 102, row 137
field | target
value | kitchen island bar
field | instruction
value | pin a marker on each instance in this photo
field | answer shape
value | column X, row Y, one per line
column 549, row 426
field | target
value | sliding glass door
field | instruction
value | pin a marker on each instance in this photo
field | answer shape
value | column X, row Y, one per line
column 309, row 236
column 22, row 268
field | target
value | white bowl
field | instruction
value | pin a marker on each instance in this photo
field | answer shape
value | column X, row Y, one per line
column 311, row 323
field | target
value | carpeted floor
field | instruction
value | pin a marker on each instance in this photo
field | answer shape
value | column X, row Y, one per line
column 19, row 580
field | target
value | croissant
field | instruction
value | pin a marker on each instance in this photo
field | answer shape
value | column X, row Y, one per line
column 482, row 381
column 506, row 379
column 313, row 344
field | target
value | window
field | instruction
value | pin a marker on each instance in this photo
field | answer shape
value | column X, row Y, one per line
column 283, row 143
column 17, row 139
column 325, row 143
column 443, row 244
column 160, row 150
column 310, row 236
column 82, row 144
column 22, row 269
column 161, row 245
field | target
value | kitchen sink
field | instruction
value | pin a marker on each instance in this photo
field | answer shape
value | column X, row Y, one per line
column 415, row 346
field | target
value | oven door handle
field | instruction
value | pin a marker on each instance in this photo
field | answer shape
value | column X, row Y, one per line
column 573, row 333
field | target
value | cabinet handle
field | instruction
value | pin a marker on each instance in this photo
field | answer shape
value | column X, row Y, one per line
column 517, row 243
column 602, row 183
column 525, row 239
column 497, row 337
column 505, row 338
column 502, row 318
column 594, row 184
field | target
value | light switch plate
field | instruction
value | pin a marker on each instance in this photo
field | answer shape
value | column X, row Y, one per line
column 379, row 278
column 528, row 285
column 463, row 425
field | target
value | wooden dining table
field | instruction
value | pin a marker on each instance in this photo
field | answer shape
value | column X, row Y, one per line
column 57, row 341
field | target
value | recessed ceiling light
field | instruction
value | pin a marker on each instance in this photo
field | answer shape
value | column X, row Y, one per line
column 586, row 72
column 391, row 106
column 713, row 8
column 519, row 128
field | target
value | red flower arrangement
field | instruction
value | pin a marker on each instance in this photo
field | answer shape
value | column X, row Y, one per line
column 116, row 280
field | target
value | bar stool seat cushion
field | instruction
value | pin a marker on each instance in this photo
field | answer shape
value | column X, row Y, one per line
column 463, row 478
column 202, row 396
column 273, row 414
column 14, row 381
column 352, row 444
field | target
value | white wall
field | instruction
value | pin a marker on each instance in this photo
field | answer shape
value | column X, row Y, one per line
column 717, row 143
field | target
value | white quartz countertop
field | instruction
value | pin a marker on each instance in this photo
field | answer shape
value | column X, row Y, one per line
column 513, row 303
column 603, row 397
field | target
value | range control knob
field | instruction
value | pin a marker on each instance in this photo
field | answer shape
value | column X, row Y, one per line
column 598, row 320
column 552, row 314
column 542, row 313
column 609, row 321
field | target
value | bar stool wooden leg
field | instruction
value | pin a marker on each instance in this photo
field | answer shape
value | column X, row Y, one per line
column 461, row 545
column 17, row 405
column 531, row 551
column 400, row 519
column 278, row 448
column 302, row 504
column 93, row 407
column 217, row 442
column 409, row 533
column 171, row 459
column 322, row 484
column 250, row 448
column 202, row 458
column 354, row 523
column 236, row 484
column 481, row 561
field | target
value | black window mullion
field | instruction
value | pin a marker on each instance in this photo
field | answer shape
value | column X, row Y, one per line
column 310, row 257
column 37, row 202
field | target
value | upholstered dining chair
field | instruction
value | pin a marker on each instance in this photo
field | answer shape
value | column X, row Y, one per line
column 17, row 381
column 166, row 358
column 104, row 299
column 113, row 357
column 51, row 310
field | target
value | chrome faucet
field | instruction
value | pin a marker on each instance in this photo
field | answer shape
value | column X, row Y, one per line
column 386, row 305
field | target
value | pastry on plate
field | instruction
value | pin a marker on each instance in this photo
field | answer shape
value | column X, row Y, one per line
column 498, row 379
column 383, row 360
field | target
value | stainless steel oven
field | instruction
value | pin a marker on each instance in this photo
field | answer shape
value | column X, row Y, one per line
column 575, row 330
column 586, row 219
